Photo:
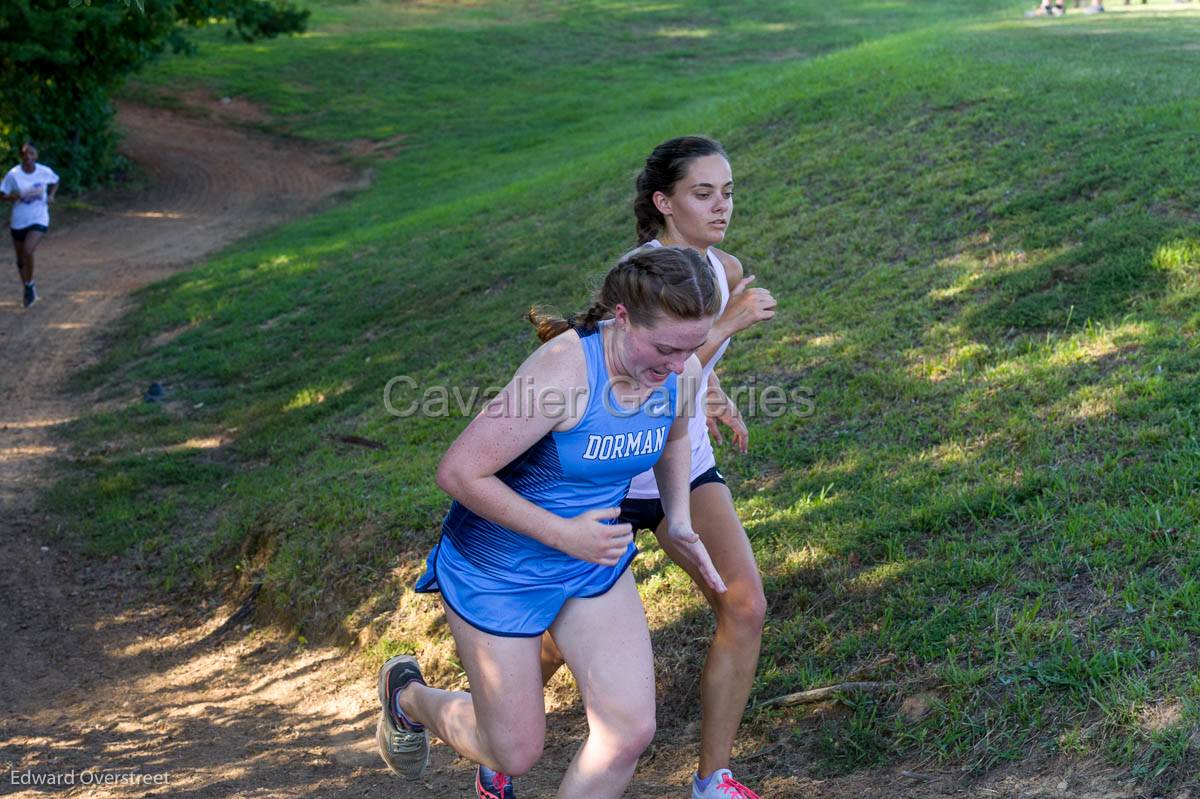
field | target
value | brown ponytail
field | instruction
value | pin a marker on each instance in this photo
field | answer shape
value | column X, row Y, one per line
column 549, row 325
column 651, row 282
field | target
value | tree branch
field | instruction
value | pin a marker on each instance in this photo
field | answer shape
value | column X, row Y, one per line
column 828, row 692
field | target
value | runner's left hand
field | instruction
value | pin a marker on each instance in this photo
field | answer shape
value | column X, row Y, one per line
column 686, row 539
column 731, row 417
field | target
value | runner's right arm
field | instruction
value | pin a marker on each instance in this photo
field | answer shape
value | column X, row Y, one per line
column 505, row 429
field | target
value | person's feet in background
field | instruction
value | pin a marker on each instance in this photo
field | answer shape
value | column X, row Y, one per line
column 1047, row 9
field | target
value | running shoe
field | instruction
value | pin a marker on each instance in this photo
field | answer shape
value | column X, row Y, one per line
column 1094, row 10
column 403, row 744
column 31, row 295
column 492, row 784
column 722, row 785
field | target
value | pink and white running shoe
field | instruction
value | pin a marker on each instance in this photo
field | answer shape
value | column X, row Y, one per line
column 722, row 785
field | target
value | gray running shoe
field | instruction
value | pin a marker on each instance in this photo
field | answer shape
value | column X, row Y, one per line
column 31, row 295
column 403, row 745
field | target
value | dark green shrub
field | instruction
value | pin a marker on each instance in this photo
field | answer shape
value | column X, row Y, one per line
column 60, row 63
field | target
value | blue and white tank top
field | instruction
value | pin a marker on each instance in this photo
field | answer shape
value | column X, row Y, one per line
column 569, row 472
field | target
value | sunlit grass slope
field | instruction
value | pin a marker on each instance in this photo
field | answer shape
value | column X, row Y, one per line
column 984, row 233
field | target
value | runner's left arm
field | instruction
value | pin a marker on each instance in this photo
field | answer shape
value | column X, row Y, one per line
column 747, row 306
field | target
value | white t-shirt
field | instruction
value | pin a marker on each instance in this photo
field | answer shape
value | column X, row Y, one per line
column 644, row 486
column 32, row 208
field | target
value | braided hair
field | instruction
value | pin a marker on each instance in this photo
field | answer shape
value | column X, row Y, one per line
column 651, row 282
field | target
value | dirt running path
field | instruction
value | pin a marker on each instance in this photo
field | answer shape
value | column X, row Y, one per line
column 107, row 690
column 95, row 676
column 207, row 187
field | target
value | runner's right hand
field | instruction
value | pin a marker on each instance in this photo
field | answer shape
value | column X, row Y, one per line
column 589, row 537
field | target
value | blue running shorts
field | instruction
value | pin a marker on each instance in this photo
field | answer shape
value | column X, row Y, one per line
column 516, row 600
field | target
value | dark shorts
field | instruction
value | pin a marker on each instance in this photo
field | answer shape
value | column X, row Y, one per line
column 647, row 514
column 19, row 235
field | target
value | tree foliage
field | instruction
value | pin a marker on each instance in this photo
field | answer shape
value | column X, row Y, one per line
column 61, row 60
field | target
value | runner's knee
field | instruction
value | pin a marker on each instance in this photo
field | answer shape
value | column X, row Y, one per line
column 627, row 738
column 516, row 754
column 743, row 606
column 641, row 734
column 626, row 726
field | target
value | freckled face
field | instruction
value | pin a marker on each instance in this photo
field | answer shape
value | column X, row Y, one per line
column 700, row 205
column 652, row 353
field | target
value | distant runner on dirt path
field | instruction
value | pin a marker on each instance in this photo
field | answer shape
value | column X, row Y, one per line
column 30, row 187
column 531, row 542
column 1055, row 8
column 685, row 199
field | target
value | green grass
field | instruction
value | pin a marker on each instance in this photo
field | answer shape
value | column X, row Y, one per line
column 984, row 233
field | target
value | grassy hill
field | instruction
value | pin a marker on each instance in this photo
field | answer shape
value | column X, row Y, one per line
column 984, row 233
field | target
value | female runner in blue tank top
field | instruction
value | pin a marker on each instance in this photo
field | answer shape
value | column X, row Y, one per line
column 531, row 542
column 685, row 199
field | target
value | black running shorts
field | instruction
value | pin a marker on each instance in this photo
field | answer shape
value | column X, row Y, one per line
column 19, row 235
column 647, row 514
